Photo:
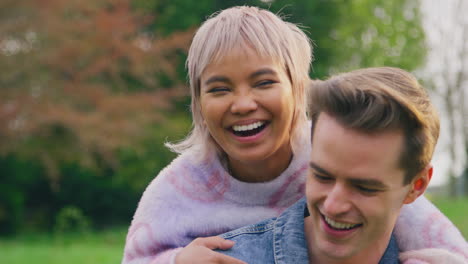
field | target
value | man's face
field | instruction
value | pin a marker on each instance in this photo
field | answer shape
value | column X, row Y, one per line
column 354, row 190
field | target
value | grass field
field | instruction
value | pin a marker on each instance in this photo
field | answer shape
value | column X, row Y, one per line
column 107, row 247
column 456, row 210
column 88, row 248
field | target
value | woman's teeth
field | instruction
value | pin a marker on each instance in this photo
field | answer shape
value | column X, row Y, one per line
column 338, row 225
column 247, row 127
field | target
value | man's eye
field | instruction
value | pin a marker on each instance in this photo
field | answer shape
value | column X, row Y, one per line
column 366, row 189
column 322, row 178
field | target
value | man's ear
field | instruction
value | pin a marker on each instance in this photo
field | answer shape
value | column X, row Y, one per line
column 419, row 184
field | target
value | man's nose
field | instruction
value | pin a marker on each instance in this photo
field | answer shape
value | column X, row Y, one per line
column 337, row 201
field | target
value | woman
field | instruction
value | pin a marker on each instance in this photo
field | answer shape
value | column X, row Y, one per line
column 246, row 157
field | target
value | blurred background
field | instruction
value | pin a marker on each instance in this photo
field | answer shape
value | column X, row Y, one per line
column 90, row 91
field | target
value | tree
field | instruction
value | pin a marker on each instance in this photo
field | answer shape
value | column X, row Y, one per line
column 356, row 34
column 81, row 82
column 447, row 72
column 81, row 74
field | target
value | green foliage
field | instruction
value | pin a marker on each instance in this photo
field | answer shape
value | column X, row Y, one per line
column 347, row 34
column 356, row 34
column 174, row 15
column 96, row 193
column 71, row 219
column 141, row 164
column 382, row 33
column 82, row 197
column 319, row 19
column 19, row 184
column 30, row 201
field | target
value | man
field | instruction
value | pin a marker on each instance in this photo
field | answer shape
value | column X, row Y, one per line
column 373, row 136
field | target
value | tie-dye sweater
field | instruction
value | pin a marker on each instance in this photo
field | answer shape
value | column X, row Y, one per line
column 192, row 198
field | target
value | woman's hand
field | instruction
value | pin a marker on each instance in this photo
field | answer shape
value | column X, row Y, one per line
column 201, row 251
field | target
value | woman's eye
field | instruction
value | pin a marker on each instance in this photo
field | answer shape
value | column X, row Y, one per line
column 265, row 83
column 218, row 89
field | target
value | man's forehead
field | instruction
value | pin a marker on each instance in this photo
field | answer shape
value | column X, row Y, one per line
column 361, row 156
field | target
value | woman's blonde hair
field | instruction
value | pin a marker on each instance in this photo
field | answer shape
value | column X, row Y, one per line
column 268, row 35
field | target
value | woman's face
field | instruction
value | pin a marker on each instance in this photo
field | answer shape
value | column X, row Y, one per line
column 247, row 105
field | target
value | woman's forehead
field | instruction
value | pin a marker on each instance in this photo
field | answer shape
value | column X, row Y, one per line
column 245, row 52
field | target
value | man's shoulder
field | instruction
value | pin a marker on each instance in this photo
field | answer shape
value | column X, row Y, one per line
column 264, row 241
column 253, row 243
column 255, row 229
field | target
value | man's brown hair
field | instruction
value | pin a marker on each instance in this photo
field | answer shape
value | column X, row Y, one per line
column 380, row 99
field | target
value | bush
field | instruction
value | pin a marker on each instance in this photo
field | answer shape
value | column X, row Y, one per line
column 71, row 219
column 18, row 181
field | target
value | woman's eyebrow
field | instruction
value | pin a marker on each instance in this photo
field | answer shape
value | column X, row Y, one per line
column 262, row 71
column 216, row 79
column 255, row 74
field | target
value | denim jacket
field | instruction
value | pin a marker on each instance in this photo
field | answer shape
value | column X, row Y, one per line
column 281, row 240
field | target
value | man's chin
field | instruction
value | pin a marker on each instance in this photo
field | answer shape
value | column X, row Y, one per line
column 338, row 252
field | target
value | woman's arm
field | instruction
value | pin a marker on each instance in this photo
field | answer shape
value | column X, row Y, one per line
column 164, row 223
column 430, row 256
column 421, row 226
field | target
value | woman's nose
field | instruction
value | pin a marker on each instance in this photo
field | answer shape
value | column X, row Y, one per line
column 243, row 104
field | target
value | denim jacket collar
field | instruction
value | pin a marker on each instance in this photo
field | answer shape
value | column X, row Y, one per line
column 289, row 243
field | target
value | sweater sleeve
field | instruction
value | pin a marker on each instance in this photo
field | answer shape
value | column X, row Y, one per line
column 155, row 235
column 163, row 223
column 430, row 256
column 422, row 226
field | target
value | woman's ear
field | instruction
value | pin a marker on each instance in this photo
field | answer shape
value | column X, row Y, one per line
column 419, row 184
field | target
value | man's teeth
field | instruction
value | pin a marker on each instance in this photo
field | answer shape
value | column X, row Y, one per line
column 338, row 225
column 247, row 127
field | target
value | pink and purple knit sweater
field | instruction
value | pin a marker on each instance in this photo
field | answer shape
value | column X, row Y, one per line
column 192, row 198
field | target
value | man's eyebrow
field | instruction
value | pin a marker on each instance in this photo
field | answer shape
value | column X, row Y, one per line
column 216, row 79
column 369, row 182
column 319, row 169
column 263, row 71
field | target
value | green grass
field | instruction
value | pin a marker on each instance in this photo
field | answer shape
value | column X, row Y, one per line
column 107, row 247
column 456, row 209
column 85, row 248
